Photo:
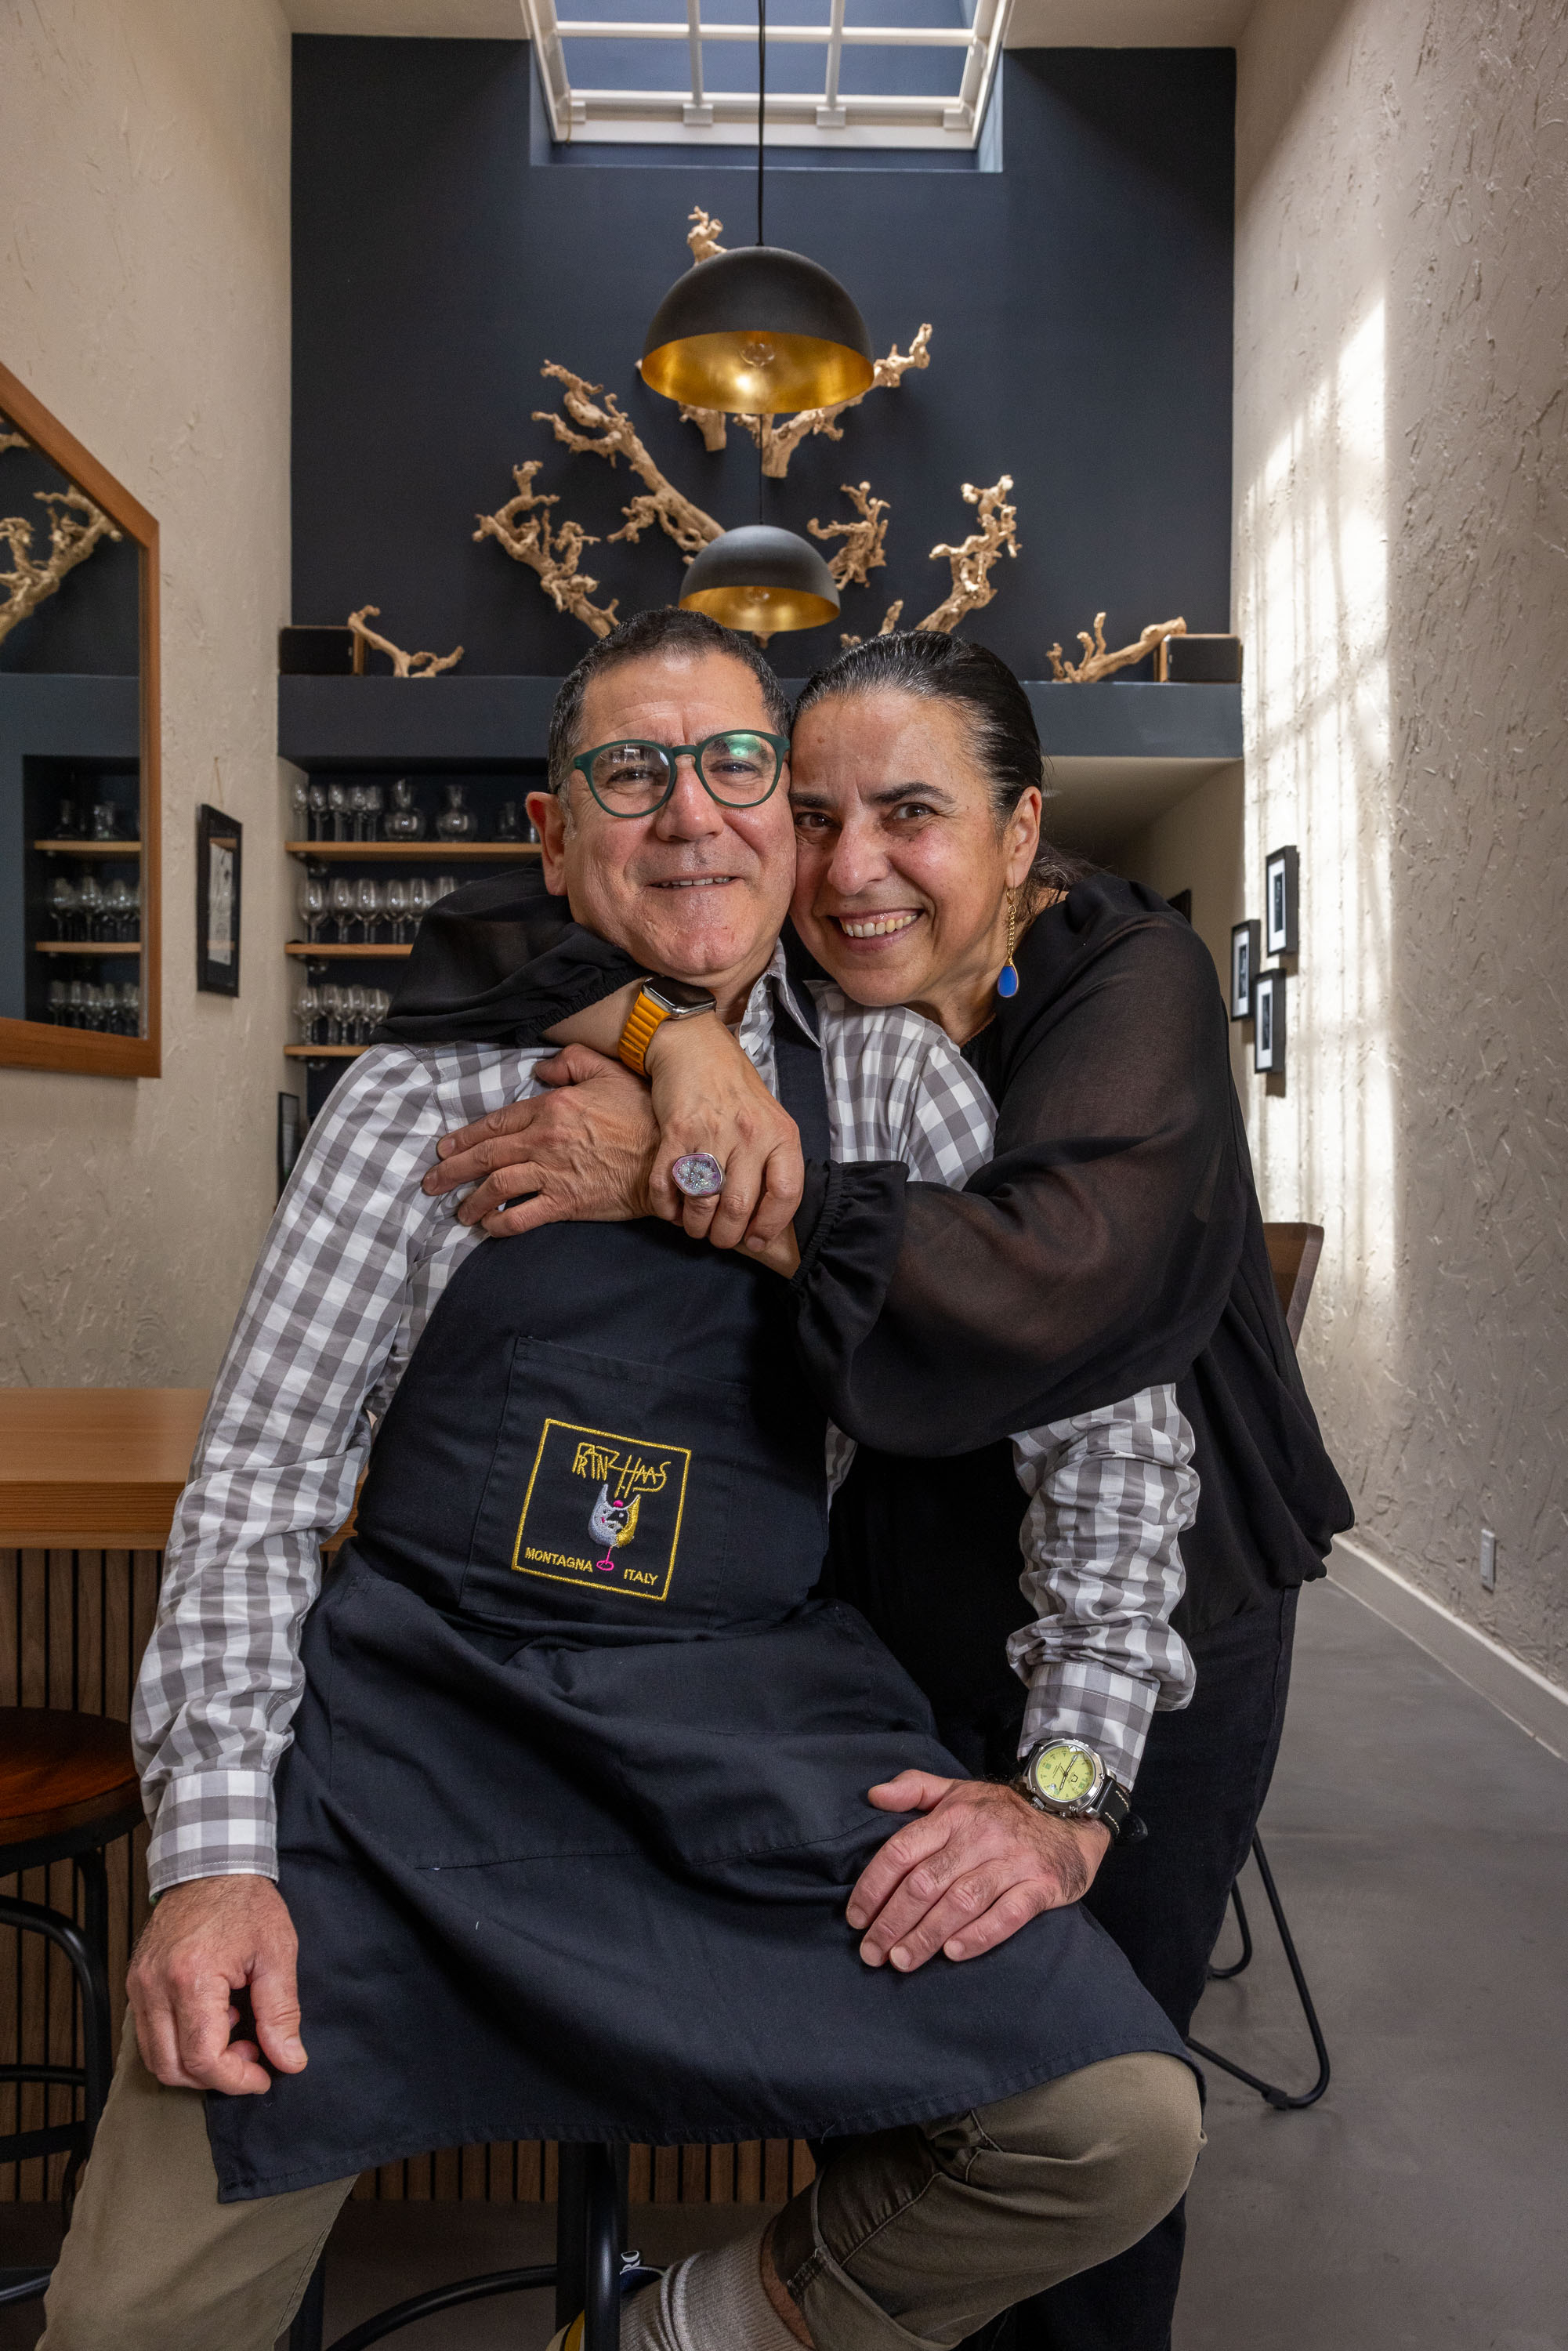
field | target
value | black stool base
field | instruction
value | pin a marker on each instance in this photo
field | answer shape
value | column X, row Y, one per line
column 1285, row 2101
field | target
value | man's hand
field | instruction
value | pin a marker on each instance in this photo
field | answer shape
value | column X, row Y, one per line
column 980, row 1864
column 206, row 1940
column 584, row 1150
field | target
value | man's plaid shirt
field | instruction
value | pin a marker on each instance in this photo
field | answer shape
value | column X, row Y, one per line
column 352, row 1268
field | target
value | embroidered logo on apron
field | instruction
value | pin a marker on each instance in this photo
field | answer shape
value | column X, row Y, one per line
column 602, row 1510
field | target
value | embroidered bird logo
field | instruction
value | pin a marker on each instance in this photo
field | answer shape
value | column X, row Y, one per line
column 614, row 1523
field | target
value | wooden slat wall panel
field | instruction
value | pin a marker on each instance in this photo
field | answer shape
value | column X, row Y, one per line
column 73, row 1625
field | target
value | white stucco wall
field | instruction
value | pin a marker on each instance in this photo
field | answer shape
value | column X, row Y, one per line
column 144, row 299
column 1401, row 583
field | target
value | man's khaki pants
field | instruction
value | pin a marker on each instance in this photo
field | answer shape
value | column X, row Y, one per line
column 909, row 2239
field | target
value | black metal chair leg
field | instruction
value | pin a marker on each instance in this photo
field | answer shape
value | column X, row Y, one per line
column 310, row 2318
column 1226, row 1975
column 1284, row 2100
column 601, row 2240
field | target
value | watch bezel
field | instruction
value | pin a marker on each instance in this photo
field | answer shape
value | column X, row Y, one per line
column 1070, row 1808
column 679, row 999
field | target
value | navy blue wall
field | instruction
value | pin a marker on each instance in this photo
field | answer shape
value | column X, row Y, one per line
column 1080, row 300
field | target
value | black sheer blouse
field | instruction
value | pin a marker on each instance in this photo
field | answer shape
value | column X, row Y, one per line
column 1113, row 1242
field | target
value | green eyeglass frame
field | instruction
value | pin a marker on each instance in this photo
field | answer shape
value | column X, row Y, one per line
column 672, row 754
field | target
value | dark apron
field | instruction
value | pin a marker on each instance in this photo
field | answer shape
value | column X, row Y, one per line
column 577, row 1790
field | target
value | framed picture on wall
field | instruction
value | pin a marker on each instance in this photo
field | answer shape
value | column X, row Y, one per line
column 1281, row 894
column 1244, row 959
column 217, row 901
column 1269, row 1012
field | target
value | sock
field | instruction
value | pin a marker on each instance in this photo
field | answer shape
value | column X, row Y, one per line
column 709, row 2302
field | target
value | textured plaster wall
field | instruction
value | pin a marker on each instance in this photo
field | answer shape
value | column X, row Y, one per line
column 144, row 298
column 1400, row 581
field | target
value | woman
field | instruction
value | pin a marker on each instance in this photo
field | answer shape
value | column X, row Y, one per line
column 1113, row 1243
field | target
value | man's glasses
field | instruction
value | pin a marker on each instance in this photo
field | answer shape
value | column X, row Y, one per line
column 738, row 768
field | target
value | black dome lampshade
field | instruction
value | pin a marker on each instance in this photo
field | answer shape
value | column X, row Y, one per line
column 761, row 578
column 759, row 332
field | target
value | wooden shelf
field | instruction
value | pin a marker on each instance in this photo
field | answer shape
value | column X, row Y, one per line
column 304, row 947
column 87, row 946
column 322, row 1053
column 431, row 853
column 91, row 848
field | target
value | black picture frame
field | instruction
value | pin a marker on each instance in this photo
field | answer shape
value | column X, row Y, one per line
column 219, row 839
column 1268, row 1014
column 1245, row 961
column 1281, row 901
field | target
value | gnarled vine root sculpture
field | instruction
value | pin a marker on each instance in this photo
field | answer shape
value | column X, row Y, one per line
column 861, row 552
column 404, row 664
column 76, row 526
column 1097, row 662
column 972, row 562
column 599, row 427
column 778, row 441
column 523, row 528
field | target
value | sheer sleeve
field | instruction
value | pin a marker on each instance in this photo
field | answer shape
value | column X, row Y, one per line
column 1093, row 1257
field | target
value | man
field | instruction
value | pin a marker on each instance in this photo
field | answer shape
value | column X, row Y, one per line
column 564, row 1837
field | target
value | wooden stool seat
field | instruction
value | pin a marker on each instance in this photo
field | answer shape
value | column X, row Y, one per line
column 62, row 1773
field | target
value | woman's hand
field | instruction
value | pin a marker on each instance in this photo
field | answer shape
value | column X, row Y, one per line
column 708, row 1097
column 585, row 1151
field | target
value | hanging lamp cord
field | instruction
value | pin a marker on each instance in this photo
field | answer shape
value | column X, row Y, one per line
column 761, row 102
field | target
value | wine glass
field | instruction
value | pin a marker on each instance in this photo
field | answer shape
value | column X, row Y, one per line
column 306, row 1008
column 62, row 904
column 404, row 820
column 58, row 1000
column 313, row 901
column 90, row 907
column 105, row 826
column 341, row 899
column 300, row 809
column 337, row 802
column 397, row 909
column 131, row 1009
column 318, row 810
column 67, row 826
column 367, row 906
column 374, row 799
column 442, row 886
column 420, row 900
column 119, row 910
column 357, row 1009
column 457, row 820
column 507, row 827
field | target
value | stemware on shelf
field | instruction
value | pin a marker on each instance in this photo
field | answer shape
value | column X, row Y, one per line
column 509, row 827
column 308, row 1013
column 119, row 909
column 57, row 998
column 62, row 905
column 341, row 900
column 130, row 1008
column 89, row 906
column 320, row 812
column 104, row 824
column 397, row 909
column 67, row 824
column 375, row 800
column 300, row 809
column 337, row 802
column 367, row 906
column 405, row 822
column 419, row 899
column 457, row 820
column 442, row 886
column 313, row 901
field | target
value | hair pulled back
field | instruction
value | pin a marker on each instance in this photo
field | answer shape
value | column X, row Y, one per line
column 1002, row 732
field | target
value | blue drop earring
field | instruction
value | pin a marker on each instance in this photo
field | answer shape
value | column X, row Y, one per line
column 1007, row 978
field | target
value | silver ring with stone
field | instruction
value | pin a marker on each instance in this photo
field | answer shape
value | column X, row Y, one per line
column 698, row 1176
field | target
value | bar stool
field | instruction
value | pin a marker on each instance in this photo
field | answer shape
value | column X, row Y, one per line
column 591, row 2273
column 1293, row 1254
column 68, row 1789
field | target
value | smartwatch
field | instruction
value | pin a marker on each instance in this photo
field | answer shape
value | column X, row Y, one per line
column 659, row 1000
column 1070, row 1780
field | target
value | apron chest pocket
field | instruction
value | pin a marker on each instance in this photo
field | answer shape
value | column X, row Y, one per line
column 609, row 1493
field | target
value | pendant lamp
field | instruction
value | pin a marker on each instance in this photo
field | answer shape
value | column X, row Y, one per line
column 761, row 578
column 761, row 331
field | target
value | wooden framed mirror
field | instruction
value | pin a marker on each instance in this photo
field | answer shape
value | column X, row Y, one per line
column 78, row 756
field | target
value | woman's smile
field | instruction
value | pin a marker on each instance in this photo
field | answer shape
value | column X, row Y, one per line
column 876, row 923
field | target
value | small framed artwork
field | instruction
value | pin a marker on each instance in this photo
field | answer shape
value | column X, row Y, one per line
column 217, row 901
column 1245, row 960
column 1282, row 896
column 1269, row 1012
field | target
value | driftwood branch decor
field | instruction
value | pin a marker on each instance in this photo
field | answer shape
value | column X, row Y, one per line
column 404, row 664
column 523, row 528
column 778, row 441
column 1097, row 662
column 12, row 440
column 76, row 526
column 972, row 562
column 601, row 428
column 861, row 552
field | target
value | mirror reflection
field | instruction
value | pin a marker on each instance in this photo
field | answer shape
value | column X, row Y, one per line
column 70, row 778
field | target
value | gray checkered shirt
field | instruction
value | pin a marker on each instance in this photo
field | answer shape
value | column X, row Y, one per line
column 352, row 1270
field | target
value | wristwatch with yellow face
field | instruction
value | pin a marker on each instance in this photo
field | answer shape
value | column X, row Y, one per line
column 659, row 1000
column 1070, row 1780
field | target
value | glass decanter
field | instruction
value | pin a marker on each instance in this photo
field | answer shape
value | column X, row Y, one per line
column 456, row 821
column 403, row 821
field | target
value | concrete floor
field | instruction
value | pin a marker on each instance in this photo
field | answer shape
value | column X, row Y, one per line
column 1420, row 1842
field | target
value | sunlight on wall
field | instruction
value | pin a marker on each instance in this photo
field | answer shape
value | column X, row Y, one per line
column 1312, row 597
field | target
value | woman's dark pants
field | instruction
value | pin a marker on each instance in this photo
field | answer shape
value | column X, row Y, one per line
column 1201, row 1786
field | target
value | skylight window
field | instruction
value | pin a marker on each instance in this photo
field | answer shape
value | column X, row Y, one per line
column 841, row 73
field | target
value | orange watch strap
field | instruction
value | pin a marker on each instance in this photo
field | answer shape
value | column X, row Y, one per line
column 644, row 1016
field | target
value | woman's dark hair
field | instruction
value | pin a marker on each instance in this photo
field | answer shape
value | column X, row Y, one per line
column 667, row 630
column 1001, row 724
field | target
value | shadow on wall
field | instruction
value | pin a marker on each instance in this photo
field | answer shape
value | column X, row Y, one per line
column 1312, row 537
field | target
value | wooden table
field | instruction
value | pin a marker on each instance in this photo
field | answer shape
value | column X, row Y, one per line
column 90, row 1468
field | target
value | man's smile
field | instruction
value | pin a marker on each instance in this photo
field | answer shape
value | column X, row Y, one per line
column 696, row 882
